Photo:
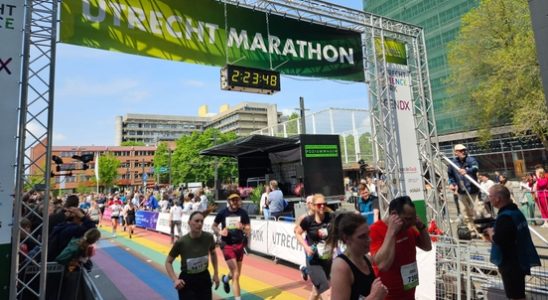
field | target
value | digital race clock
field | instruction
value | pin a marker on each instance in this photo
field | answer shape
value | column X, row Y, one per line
column 252, row 80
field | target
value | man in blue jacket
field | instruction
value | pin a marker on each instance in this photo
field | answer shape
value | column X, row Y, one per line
column 512, row 251
column 468, row 192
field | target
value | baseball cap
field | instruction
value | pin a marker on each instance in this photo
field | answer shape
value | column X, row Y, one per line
column 460, row 147
column 234, row 196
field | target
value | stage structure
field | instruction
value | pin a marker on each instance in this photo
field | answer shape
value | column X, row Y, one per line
column 394, row 66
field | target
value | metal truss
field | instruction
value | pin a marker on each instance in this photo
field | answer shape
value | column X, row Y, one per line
column 37, row 107
column 35, row 129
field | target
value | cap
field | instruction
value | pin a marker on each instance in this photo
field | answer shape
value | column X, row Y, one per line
column 233, row 196
column 460, row 147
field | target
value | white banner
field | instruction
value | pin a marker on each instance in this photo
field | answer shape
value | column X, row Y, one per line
column 426, row 262
column 11, row 38
column 283, row 244
column 400, row 81
column 259, row 236
column 162, row 224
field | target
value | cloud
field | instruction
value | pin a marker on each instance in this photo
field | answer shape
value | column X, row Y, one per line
column 58, row 138
column 194, row 83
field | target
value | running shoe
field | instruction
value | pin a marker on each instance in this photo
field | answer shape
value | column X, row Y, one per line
column 304, row 272
column 226, row 286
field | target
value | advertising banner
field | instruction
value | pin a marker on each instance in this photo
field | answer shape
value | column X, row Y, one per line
column 162, row 224
column 259, row 236
column 11, row 37
column 399, row 78
column 213, row 33
column 283, row 244
column 146, row 219
column 426, row 262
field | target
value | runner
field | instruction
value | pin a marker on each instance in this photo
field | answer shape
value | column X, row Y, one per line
column 235, row 225
column 116, row 211
column 318, row 254
column 194, row 281
column 130, row 217
column 352, row 276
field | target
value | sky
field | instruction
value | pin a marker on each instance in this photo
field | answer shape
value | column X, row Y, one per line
column 92, row 87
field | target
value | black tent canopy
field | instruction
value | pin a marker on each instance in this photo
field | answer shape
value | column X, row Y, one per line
column 253, row 143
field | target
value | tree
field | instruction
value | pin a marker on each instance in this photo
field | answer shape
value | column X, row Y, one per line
column 292, row 126
column 132, row 143
column 189, row 166
column 494, row 65
column 161, row 162
column 108, row 170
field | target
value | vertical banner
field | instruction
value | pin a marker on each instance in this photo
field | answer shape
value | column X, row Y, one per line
column 11, row 38
column 399, row 79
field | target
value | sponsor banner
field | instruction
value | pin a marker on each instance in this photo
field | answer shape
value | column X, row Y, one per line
column 426, row 262
column 162, row 225
column 146, row 219
column 259, row 236
column 213, row 33
column 399, row 79
column 11, row 35
column 283, row 244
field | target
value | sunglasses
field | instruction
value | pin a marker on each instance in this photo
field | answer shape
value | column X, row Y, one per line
column 320, row 205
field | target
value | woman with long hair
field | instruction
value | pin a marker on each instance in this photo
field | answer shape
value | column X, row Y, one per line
column 318, row 252
column 352, row 276
column 195, row 249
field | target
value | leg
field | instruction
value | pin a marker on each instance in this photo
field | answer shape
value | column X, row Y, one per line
column 234, row 268
column 468, row 206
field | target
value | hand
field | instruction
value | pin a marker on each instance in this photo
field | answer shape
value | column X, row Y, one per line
column 419, row 224
column 462, row 172
column 453, row 187
column 216, row 280
column 378, row 290
column 309, row 251
column 488, row 233
column 179, row 284
column 223, row 232
column 395, row 224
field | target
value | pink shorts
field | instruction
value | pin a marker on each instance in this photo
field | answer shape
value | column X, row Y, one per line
column 234, row 251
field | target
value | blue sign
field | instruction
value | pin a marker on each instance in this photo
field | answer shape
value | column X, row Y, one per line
column 145, row 177
column 163, row 170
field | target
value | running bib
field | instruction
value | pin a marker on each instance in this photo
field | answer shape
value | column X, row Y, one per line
column 232, row 222
column 196, row 265
column 409, row 275
column 324, row 252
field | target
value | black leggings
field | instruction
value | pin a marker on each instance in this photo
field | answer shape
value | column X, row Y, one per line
column 197, row 286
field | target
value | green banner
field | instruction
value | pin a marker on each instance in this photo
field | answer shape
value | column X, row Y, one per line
column 213, row 33
column 321, row 151
column 396, row 52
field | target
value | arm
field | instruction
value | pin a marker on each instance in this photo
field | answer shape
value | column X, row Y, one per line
column 177, row 283
column 299, row 235
column 214, row 262
column 341, row 280
column 247, row 229
column 385, row 256
column 423, row 241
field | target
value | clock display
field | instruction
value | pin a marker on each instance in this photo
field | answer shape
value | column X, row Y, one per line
column 250, row 79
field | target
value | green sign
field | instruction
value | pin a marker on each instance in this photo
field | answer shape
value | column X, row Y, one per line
column 213, row 33
column 321, row 151
column 395, row 51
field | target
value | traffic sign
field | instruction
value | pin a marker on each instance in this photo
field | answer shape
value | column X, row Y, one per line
column 145, row 177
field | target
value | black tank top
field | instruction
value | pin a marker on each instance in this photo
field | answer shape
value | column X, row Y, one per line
column 362, row 283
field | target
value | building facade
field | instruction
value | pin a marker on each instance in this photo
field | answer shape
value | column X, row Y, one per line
column 135, row 161
column 441, row 22
column 151, row 129
column 245, row 117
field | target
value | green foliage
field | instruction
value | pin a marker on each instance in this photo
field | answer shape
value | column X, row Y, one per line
column 256, row 193
column 108, row 170
column 132, row 143
column 161, row 160
column 189, row 166
column 83, row 189
column 494, row 67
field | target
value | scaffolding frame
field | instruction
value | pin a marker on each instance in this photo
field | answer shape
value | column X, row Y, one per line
column 38, row 99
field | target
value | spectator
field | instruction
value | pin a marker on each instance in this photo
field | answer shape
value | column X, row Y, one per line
column 175, row 217
column 485, row 184
column 367, row 204
column 264, row 203
column 503, row 179
column 204, row 202
column 468, row 192
column 512, row 249
column 60, row 216
column 276, row 200
column 393, row 248
column 541, row 191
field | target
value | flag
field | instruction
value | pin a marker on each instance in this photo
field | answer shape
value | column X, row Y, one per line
column 97, row 166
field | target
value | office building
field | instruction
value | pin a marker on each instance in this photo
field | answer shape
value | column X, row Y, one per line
column 244, row 118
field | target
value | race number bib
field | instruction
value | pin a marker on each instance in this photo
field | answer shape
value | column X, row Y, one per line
column 324, row 251
column 196, row 264
column 232, row 222
column 409, row 275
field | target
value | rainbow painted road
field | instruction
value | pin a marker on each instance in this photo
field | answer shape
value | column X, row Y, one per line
column 134, row 269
